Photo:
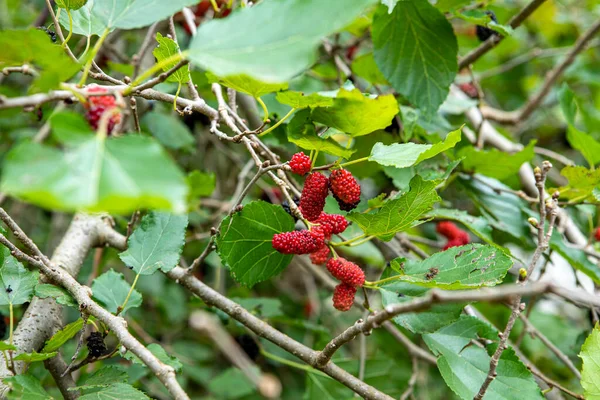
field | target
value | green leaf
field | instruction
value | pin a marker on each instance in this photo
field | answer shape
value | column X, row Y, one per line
column 586, row 144
column 247, row 84
column 415, row 49
column 272, row 41
column 590, row 371
column 70, row 128
column 402, row 155
column 302, row 132
column 465, row 267
column 201, row 184
column 71, row 4
column 356, row 114
column 399, row 214
column 62, row 336
column 365, row 67
column 62, row 296
column 495, row 163
column 464, row 365
column 159, row 353
column 111, row 290
column 478, row 225
column 26, row 387
column 566, row 97
column 34, row 356
column 166, row 48
column 116, row 175
column 300, row 100
column 156, row 244
column 245, row 242
column 447, row 5
column 105, row 376
column 16, row 282
column 121, row 391
column 5, row 346
column 582, row 184
column 262, row 306
column 575, row 257
column 169, row 130
column 99, row 15
column 231, row 384
column 34, row 48
column 480, row 17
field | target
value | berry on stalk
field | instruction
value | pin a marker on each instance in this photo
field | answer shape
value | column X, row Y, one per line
column 345, row 189
column 346, row 271
column 300, row 164
column 314, row 193
column 98, row 105
column 336, row 223
column 96, row 345
column 298, row 242
column 343, row 296
column 483, row 32
column 320, row 256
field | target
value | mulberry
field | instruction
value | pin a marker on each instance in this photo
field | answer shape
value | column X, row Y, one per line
column 96, row 345
column 343, row 296
column 98, row 105
column 320, row 257
column 298, row 242
column 346, row 271
column 337, row 223
column 313, row 197
column 300, row 164
column 345, row 189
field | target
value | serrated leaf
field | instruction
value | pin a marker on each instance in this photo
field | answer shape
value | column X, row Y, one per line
column 566, row 98
column 159, row 353
column 302, row 132
column 575, row 257
column 232, row 384
column 478, row 225
column 465, row 267
column 33, row 47
column 402, row 155
column 582, row 184
column 62, row 296
column 399, row 214
column 62, row 336
column 16, row 282
column 262, row 306
column 377, row 202
column 70, row 128
column 105, row 376
column 98, row 15
column 272, row 41
column 244, row 243
column 586, row 144
column 356, row 114
column 34, row 356
column 116, row 175
column 166, row 48
column 169, row 130
column 365, row 67
column 201, row 184
column 247, row 84
column 495, row 163
column 121, row 391
column 71, row 4
column 5, row 346
column 156, row 244
column 415, row 49
column 27, row 387
column 464, row 365
column 590, row 371
column 299, row 100
column 111, row 290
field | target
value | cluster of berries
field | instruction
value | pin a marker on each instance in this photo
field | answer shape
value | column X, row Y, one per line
column 455, row 235
column 98, row 105
column 346, row 191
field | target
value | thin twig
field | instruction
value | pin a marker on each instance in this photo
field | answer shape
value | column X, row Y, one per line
column 412, row 381
column 555, row 384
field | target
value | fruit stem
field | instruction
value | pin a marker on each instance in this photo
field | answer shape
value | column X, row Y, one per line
column 214, row 5
column 176, row 96
column 122, row 307
column 64, row 44
column 359, row 242
column 87, row 47
column 344, row 243
column 383, row 281
column 286, row 116
column 333, row 252
column 265, row 111
column 358, row 160
column 314, row 160
column 88, row 64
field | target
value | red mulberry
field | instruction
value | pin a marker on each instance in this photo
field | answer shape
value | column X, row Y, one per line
column 298, row 242
column 313, row 196
column 98, row 105
column 345, row 189
column 300, row 164
column 320, row 257
column 346, row 271
column 337, row 223
column 343, row 296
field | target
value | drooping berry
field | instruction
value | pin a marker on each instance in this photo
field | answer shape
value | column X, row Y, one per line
column 98, row 105
column 298, row 242
column 337, row 223
column 597, row 234
column 343, row 296
column 320, row 256
column 286, row 206
column 447, row 229
column 96, row 345
column 346, row 271
column 313, row 197
column 483, row 32
column 345, row 189
column 452, row 243
column 249, row 345
column 300, row 164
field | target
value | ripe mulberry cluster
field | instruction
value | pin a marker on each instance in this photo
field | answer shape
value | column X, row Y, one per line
column 345, row 189
column 298, row 242
column 346, row 271
column 455, row 235
column 300, row 164
column 314, row 193
column 98, row 105
column 320, row 257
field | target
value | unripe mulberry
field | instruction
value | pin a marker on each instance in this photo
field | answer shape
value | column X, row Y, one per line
column 337, row 223
column 343, row 296
column 298, row 242
column 346, row 271
column 98, row 105
column 300, row 164
column 320, row 257
column 313, row 197
column 96, row 345
column 345, row 189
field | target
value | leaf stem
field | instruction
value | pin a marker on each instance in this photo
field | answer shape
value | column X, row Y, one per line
column 286, row 116
column 265, row 109
column 64, row 44
column 293, row 364
column 312, row 165
column 88, row 64
column 344, row 243
column 383, row 281
column 176, row 96
column 122, row 307
column 87, row 47
column 10, row 335
column 358, row 160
